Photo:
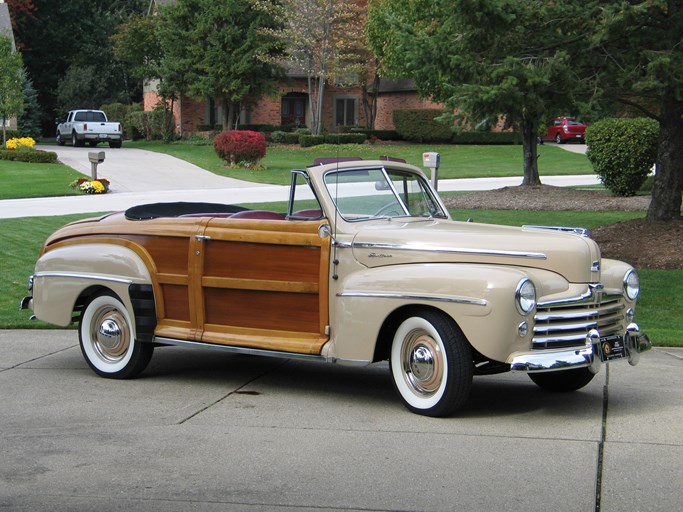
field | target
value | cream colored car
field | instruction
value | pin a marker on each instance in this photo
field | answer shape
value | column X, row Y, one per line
column 365, row 265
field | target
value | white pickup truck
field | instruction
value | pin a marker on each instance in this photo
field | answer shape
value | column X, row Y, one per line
column 89, row 126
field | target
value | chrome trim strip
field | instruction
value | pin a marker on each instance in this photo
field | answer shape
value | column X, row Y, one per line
column 563, row 229
column 435, row 298
column 78, row 275
column 261, row 352
column 448, row 250
column 599, row 290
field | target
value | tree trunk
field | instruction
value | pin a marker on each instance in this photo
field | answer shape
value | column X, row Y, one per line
column 530, row 148
column 370, row 102
column 666, row 192
column 320, row 98
column 228, row 114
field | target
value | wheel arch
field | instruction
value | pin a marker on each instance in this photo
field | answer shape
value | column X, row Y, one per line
column 392, row 322
column 68, row 275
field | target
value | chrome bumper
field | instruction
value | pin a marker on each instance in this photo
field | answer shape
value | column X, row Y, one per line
column 592, row 355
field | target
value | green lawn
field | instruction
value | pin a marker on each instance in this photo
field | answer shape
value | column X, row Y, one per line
column 658, row 311
column 456, row 161
column 22, row 180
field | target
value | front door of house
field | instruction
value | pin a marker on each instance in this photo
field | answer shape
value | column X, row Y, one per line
column 293, row 110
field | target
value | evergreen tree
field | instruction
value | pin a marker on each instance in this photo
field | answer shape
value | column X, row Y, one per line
column 11, row 92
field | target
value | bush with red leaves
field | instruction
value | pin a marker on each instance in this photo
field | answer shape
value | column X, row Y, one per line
column 244, row 147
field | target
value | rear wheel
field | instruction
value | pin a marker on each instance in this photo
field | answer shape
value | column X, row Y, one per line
column 114, row 144
column 563, row 381
column 558, row 138
column 431, row 364
column 75, row 142
column 107, row 339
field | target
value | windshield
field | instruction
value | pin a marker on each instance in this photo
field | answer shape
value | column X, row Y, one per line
column 362, row 194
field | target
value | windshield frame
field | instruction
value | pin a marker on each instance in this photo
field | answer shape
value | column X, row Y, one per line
column 389, row 175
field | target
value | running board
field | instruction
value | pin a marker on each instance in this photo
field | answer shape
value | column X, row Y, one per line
column 241, row 350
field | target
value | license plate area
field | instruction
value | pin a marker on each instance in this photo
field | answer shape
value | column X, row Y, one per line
column 611, row 348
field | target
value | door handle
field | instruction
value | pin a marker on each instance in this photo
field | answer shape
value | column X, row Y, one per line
column 201, row 238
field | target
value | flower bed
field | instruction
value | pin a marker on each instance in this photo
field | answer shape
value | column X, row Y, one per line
column 100, row 186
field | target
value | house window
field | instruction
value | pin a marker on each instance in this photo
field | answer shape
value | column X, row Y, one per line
column 346, row 112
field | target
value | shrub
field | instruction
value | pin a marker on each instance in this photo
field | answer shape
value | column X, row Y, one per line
column 307, row 141
column 419, row 125
column 35, row 157
column 490, row 138
column 622, row 152
column 378, row 134
column 240, row 147
column 344, row 138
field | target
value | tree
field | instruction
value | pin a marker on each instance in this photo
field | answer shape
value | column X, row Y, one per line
column 223, row 50
column 636, row 59
column 484, row 59
column 28, row 124
column 53, row 36
column 11, row 90
column 324, row 40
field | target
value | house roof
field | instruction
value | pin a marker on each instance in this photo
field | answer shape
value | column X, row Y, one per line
column 6, row 23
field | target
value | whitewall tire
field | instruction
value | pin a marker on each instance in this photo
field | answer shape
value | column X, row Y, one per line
column 107, row 339
column 431, row 364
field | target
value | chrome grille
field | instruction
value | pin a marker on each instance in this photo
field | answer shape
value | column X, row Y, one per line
column 566, row 324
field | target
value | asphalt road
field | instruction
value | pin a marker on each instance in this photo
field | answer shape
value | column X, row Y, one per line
column 207, row 431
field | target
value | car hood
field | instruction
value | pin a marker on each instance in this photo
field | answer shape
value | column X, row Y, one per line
column 443, row 241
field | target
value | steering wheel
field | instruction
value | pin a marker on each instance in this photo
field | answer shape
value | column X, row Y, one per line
column 389, row 210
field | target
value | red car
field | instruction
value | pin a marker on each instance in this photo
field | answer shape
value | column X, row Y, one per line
column 564, row 129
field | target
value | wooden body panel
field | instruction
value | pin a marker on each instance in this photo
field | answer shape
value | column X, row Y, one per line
column 256, row 283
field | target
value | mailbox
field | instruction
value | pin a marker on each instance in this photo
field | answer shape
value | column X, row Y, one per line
column 432, row 161
column 96, row 157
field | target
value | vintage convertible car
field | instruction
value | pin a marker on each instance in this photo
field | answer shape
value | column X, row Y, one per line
column 365, row 265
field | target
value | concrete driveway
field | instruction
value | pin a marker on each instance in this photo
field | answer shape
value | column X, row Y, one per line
column 208, row 431
column 139, row 177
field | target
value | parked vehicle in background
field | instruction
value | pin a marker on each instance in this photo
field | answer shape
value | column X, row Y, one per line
column 563, row 129
column 91, row 126
column 364, row 265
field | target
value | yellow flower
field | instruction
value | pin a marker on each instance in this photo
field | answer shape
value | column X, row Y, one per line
column 97, row 186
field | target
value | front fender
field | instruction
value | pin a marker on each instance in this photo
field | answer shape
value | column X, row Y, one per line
column 62, row 274
column 479, row 298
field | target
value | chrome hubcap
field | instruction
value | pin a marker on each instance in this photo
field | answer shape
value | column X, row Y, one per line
column 422, row 363
column 110, row 335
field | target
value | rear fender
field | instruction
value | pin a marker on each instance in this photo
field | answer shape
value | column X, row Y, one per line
column 65, row 273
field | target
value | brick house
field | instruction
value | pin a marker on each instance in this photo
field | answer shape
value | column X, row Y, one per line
column 342, row 105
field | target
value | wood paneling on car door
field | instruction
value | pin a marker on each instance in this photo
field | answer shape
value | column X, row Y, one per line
column 264, row 284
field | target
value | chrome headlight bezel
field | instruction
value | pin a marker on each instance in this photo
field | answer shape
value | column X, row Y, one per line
column 631, row 285
column 525, row 296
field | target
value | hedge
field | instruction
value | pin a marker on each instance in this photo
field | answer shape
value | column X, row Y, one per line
column 34, row 157
column 379, row 134
column 483, row 138
column 419, row 125
column 622, row 152
column 307, row 141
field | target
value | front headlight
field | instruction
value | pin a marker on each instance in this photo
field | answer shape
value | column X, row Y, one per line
column 525, row 296
column 631, row 284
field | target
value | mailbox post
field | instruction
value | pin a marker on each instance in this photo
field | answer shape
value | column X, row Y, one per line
column 95, row 157
column 432, row 161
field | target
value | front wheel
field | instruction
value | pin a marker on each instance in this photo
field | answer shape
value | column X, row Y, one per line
column 60, row 140
column 431, row 364
column 107, row 339
column 563, row 381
